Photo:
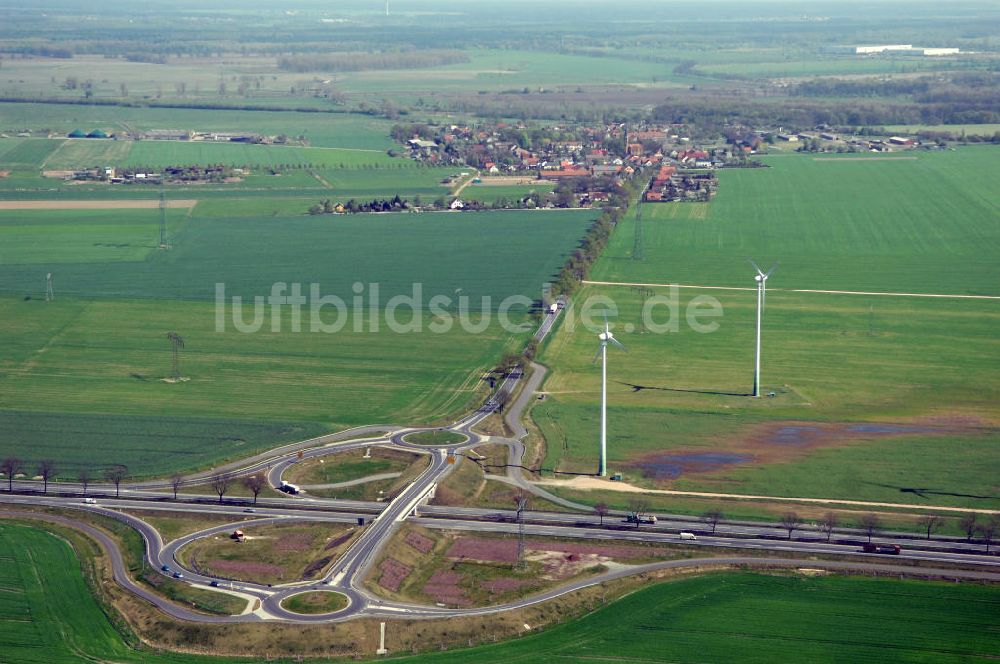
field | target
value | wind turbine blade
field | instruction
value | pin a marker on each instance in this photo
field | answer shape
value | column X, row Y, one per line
column 598, row 356
column 756, row 267
column 773, row 268
column 607, row 327
column 618, row 343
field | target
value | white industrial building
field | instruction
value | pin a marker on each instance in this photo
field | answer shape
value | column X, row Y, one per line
column 906, row 49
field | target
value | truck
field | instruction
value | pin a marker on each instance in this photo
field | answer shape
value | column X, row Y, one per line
column 90, row 501
column 640, row 518
column 688, row 536
column 288, row 487
column 888, row 549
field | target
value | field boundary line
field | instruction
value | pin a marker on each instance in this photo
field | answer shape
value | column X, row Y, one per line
column 796, row 290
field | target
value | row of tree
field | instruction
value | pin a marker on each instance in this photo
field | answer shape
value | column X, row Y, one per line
column 870, row 524
column 578, row 264
column 46, row 470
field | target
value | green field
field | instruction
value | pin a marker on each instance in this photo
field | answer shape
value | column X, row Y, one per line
column 23, row 154
column 490, row 193
column 100, row 350
column 955, row 130
column 830, row 359
column 105, row 360
column 337, row 130
column 47, row 614
column 56, row 237
column 755, row 618
column 912, row 222
column 88, row 153
column 160, row 154
column 678, row 411
column 440, row 251
column 504, row 69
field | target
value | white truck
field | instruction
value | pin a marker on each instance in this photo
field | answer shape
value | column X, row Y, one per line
column 688, row 536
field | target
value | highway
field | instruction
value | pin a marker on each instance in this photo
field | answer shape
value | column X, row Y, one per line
column 382, row 520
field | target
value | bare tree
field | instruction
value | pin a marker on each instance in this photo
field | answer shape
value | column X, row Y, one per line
column 988, row 531
column 601, row 510
column 175, row 483
column 930, row 523
column 870, row 523
column 712, row 518
column 46, row 469
column 828, row 524
column 115, row 475
column 11, row 466
column 790, row 521
column 255, row 484
column 969, row 525
column 83, row 477
column 220, row 483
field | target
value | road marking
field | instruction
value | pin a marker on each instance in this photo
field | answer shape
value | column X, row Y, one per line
column 796, row 290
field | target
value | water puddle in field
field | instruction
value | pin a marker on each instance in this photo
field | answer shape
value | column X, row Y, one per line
column 805, row 434
column 672, row 466
column 782, row 441
column 889, row 428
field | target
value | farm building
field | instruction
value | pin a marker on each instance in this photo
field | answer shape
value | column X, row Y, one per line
column 167, row 135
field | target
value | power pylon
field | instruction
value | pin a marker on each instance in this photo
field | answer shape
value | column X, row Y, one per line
column 521, row 501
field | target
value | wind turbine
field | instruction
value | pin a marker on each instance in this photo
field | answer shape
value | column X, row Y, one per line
column 761, row 279
column 606, row 338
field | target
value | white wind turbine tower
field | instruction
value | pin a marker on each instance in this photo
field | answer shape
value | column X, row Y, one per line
column 761, row 279
column 606, row 338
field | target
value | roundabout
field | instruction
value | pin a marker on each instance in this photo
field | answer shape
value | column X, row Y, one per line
column 316, row 602
column 435, row 437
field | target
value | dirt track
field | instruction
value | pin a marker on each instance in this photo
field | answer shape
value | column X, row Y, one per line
column 584, row 483
column 94, row 205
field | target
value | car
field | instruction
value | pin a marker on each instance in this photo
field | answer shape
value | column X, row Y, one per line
column 165, row 568
column 214, row 584
column 249, row 510
column 178, row 575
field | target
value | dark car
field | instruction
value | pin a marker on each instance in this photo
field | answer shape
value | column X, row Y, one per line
column 178, row 575
column 214, row 584
column 165, row 568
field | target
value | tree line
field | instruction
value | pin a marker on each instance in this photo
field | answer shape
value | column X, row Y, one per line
column 334, row 62
column 578, row 264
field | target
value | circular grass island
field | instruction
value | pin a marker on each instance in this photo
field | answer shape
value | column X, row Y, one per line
column 435, row 437
column 315, row 602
